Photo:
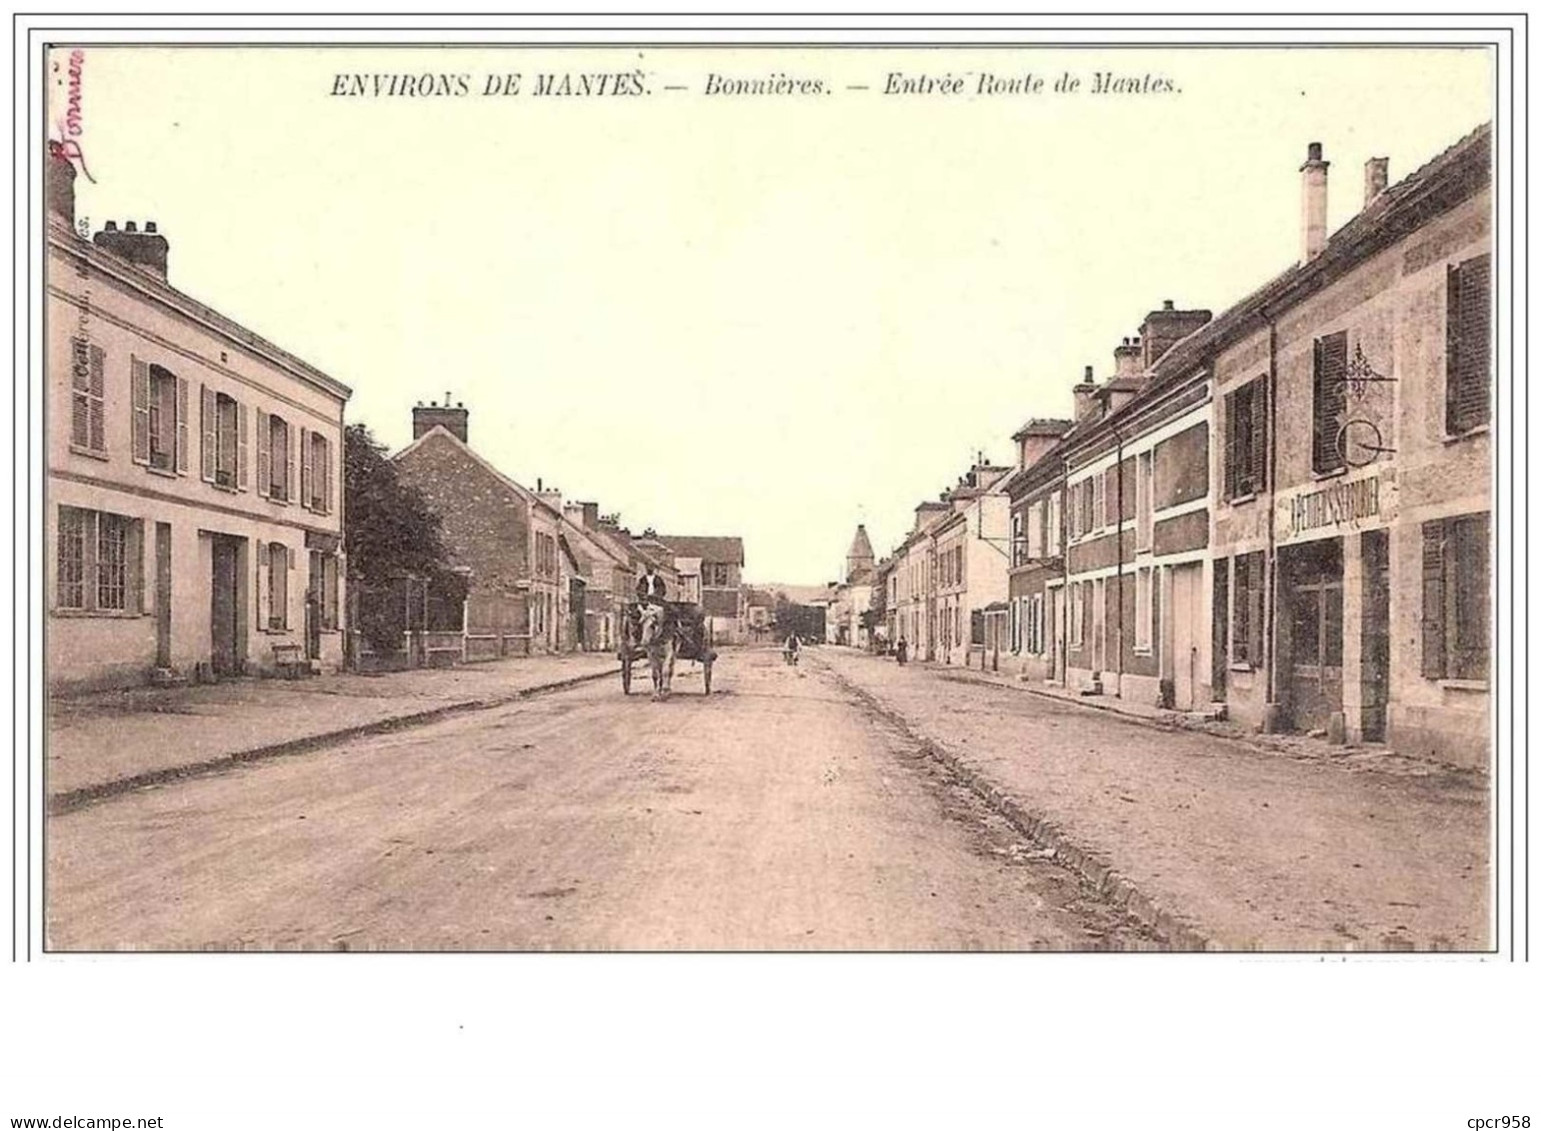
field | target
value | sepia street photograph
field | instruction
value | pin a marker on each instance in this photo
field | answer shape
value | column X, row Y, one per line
column 735, row 497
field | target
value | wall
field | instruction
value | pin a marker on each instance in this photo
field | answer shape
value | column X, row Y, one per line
column 128, row 315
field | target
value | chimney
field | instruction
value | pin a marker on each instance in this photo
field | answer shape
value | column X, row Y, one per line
column 1164, row 328
column 61, row 184
column 1085, row 397
column 147, row 249
column 1376, row 170
column 1313, row 203
column 425, row 418
column 1128, row 359
column 549, row 495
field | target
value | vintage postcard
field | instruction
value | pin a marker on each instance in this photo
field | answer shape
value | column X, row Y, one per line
column 661, row 488
column 848, row 498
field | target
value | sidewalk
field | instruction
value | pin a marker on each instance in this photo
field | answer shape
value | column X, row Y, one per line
column 1357, row 755
column 100, row 744
column 1216, row 842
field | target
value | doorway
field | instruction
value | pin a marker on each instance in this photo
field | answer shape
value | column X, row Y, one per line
column 225, row 605
column 1187, row 619
column 1312, row 592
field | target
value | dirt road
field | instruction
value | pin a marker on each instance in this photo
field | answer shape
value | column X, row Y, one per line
column 775, row 814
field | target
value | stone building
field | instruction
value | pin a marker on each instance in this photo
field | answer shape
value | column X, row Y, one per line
column 1353, row 538
column 193, row 511
column 1037, row 576
column 543, row 578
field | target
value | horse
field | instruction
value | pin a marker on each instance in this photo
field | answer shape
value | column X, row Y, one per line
column 659, row 639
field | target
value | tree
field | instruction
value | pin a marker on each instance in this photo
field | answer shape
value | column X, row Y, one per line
column 391, row 533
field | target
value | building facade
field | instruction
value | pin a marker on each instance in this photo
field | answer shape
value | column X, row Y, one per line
column 1037, row 576
column 718, row 565
column 194, row 471
column 1353, row 537
column 541, row 580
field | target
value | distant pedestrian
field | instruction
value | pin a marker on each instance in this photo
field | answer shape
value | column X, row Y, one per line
column 902, row 650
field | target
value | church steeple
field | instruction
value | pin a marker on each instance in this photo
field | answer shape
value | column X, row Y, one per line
column 859, row 561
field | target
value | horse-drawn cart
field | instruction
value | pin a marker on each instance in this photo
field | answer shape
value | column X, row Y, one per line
column 662, row 632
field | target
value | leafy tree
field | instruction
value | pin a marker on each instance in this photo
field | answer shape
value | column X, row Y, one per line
column 391, row 533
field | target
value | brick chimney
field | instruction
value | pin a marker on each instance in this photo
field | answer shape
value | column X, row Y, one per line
column 1085, row 397
column 585, row 515
column 1164, row 328
column 61, row 186
column 146, row 249
column 425, row 418
column 1313, row 203
column 1376, row 172
column 549, row 495
column 1128, row 359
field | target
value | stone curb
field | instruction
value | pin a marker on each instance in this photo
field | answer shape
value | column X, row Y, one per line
column 1176, row 932
column 69, row 800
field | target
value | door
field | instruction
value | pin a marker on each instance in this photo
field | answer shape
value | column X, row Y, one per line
column 163, row 594
column 1187, row 622
column 1098, row 626
column 576, row 592
column 1219, row 642
column 1376, row 634
column 313, row 599
column 1313, row 600
column 225, row 605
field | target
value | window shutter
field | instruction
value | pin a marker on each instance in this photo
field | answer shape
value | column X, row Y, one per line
column 326, row 478
column 80, row 398
column 242, row 426
column 97, row 412
column 307, row 469
column 288, row 461
column 181, row 425
column 264, row 454
column 141, row 407
column 134, row 600
column 1434, row 600
column 1468, row 349
column 263, row 565
column 210, row 435
column 1330, row 398
column 1232, row 460
column 1258, row 457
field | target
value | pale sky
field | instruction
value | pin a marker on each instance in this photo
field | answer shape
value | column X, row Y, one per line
column 764, row 316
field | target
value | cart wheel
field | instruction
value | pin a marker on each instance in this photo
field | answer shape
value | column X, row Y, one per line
column 626, row 675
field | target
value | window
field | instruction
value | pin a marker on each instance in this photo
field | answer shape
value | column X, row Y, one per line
column 224, row 443
column 1246, row 440
column 87, row 397
column 1144, row 505
column 1077, row 611
column 1329, row 400
column 98, row 564
column 160, row 418
column 315, row 472
column 1016, row 625
column 278, row 586
column 280, row 462
column 323, row 589
column 1052, row 531
column 1019, row 552
column 1455, row 598
column 716, row 575
column 1468, row 348
column 1247, row 610
column 1035, row 531
column 71, row 573
column 1099, row 503
column 1143, row 621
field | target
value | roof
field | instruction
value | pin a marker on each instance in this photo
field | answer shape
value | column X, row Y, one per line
column 861, row 545
column 155, row 287
column 565, row 525
column 1043, row 426
column 1441, row 183
column 706, row 547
